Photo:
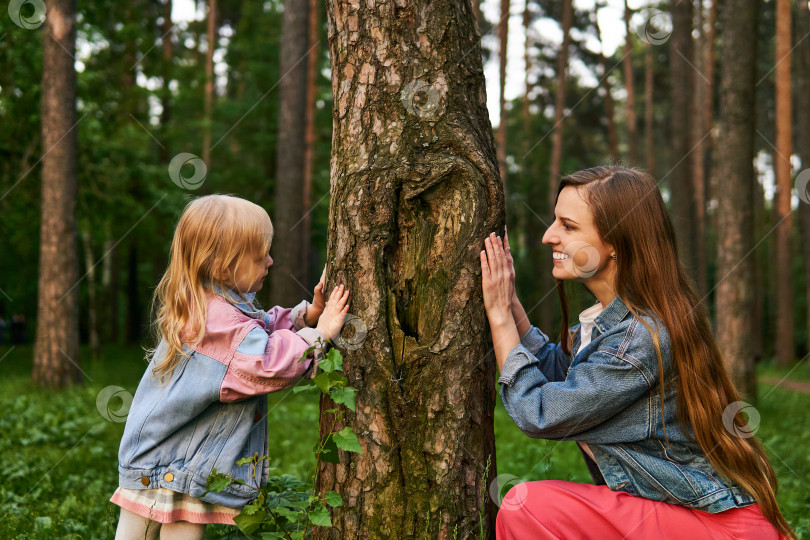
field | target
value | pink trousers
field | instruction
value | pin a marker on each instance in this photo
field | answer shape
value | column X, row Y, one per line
column 568, row 510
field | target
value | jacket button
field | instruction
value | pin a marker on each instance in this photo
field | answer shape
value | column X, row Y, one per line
column 168, row 477
column 145, row 480
column 257, row 417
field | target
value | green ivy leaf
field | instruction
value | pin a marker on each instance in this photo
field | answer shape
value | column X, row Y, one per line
column 304, row 388
column 344, row 395
column 320, row 517
column 306, row 353
column 291, row 515
column 272, row 535
column 333, row 499
column 217, row 482
column 249, row 523
column 332, row 362
column 244, row 461
column 330, row 451
column 345, row 439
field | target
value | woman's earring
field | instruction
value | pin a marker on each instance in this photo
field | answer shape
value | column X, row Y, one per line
column 613, row 256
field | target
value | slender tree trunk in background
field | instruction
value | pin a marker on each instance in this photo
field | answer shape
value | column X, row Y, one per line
column 414, row 189
column 113, row 288
column 287, row 278
column 735, row 169
column 503, row 35
column 708, row 97
column 649, row 110
column 166, row 95
column 698, row 156
column 559, row 103
column 92, row 298
column 313, row 46
column 784, row 148
column 681, row 85
column 760, row 268
column 632, row 129
column 56, row 351
column 209, row 80
column 803, row 117
column 613, row 137
column 134, row 311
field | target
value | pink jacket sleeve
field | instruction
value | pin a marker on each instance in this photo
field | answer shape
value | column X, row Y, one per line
column 266, row 360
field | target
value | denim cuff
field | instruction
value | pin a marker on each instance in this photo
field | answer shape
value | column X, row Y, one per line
column 534, row 340
column 518, row 358
column 298, row 316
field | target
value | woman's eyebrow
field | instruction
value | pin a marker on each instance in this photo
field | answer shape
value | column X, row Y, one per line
column 569, row 219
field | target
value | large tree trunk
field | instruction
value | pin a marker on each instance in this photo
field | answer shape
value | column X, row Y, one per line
column 414, row 189
column 735, row 169
column 287, row 279
column 632, row 129
column 681, row 85
column 698, row 139
column 56, row 352
column 503, row 35
column 92, row 297
column 781, row 159
column 803, row 116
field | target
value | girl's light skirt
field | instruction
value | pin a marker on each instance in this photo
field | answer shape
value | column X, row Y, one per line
column 166, row 506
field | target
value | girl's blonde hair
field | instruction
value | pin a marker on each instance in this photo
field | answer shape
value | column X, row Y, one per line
column 211, row 238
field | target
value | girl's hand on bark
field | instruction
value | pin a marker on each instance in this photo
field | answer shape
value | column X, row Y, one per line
column 331, row 320
column 315, row 309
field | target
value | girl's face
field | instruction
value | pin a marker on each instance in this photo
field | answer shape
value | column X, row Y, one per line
column 250, row 273
column 578, row 250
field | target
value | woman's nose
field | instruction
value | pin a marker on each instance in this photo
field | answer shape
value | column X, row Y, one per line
column 549, row 237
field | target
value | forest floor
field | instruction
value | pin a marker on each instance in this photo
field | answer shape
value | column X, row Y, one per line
column 58, row 455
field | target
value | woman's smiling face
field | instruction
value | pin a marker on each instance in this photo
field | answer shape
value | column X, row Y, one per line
column 578, row 250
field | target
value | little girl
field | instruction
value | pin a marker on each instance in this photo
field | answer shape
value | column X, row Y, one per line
column 202, row 402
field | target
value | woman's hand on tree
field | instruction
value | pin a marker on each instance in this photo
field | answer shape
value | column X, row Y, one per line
column 497, row 272
column 331, row 320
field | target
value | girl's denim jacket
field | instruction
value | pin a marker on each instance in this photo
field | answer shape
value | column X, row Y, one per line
column 608, row 397
column 213, row 409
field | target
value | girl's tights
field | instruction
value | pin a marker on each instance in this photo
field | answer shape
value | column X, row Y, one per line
column 131, row 526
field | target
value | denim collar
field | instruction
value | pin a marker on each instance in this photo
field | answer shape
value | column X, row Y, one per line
column 244, row 301
column 612, row 315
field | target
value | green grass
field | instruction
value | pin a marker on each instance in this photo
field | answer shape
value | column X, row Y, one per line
column 58, row 455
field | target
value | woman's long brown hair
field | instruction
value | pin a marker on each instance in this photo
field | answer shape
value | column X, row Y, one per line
column 629, row 214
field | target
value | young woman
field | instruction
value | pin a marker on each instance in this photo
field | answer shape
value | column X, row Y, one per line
column 639, row 383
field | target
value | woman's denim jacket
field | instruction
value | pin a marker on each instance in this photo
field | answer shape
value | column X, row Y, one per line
column 213, row 409
column 608, row 397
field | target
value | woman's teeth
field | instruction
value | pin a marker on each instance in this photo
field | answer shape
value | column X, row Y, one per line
column 559, row 256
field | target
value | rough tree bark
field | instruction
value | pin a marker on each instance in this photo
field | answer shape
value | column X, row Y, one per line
column 56, row 352
column 784, row 184
column 681, row 87
column 735, row 173
column 287, row 284
column 414, row 189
